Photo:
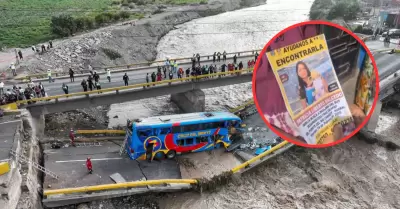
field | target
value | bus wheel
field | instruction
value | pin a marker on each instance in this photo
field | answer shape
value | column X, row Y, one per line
column 171, row 154
column 159, row 156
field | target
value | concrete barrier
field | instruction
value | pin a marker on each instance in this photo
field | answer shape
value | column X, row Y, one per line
column 100, row 131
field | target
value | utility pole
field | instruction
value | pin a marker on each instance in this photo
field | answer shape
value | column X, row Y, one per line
column 379, row 19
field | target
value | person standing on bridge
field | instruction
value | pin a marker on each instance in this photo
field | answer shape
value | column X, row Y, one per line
column 234, row 59
column 159, row 76
column 42, row 91
column 198, row 58
column 187, row 72
column 12, row 67
column 96, row 77
column 65, row 88
column 90, row 83
column 49, row 75
column 1, row 88
column 147, row 79
column 126, row 79
column 98, row 86
column 224, row 56
column 180, row 73
column 72, row 137
column 193, row 59
column 256, row 56
column 20, row 55
column 167, row 63
column 171, row 75
column 89, row 165
column 109, row 75
column 71, row 75
column 84, row 85
column 153, row 77
column 214, row 56
column 164, row 71
column 219, row 57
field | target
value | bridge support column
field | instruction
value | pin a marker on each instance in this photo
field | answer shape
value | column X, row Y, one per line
column 373, row 121
column 190, row 101
column 38, row 124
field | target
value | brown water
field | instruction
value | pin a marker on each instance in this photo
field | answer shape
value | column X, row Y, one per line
column 353, row 174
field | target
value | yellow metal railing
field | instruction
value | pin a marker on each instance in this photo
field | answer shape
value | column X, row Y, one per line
column 100, row 131
column 44, row 75
column 119, row 186
column 135, row 86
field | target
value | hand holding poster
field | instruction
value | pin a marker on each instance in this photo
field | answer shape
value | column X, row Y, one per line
column 310, row 89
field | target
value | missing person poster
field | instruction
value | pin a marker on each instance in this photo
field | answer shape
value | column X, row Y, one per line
column 365, row 89
column 310, row 89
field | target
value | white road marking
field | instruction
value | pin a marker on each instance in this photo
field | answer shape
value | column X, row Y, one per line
column 13, row 121
column 66, row 161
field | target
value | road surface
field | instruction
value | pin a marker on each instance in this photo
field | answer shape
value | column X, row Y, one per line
column 8, row 128
column 70, row 165
column 135, row 77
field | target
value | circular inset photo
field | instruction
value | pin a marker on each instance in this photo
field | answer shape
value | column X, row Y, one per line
column 315, row 84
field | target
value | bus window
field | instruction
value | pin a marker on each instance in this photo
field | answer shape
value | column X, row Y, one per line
column 197, row 140
column 190, row 128
column 165, row 131
column 203, row 139
column 180, row 142
column 176, row 129
column 189, row 142
column 144, row 133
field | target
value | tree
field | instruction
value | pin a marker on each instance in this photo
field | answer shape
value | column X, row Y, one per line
column 63, row 25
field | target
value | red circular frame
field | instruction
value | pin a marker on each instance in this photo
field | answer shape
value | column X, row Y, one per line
column 313, row 22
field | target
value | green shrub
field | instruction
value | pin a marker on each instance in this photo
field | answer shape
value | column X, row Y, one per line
column 132, row 6
column 63, row 25
column 113, row 55
column 124, row 14
column 116, row 2
column 140, row 2
column 125, row 3
column 203, row 2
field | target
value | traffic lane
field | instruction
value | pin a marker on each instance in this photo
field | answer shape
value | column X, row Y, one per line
column 8, row 128
column 70, row 164
column 377, row 45
column 136, row 77
column 133, row 75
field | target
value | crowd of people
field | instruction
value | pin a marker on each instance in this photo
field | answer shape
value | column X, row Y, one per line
column 18, row 93
column 169, row 70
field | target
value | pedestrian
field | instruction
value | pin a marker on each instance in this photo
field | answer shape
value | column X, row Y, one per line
column 90, row 83
column 43, row 48
column 65, row 88
column 71, row 75
column 96, row 77
column 153, row 78
column 256, row 56
column 49, row 75
column 224, row 56
column 84, row 85
column 193, row 61
column 147, row 79
column 126, row 79
column 20, row 55
column 167, row 64
column 164, row 71
column 33, row 48
column 51, row 44
column 234, row 59
column 240, row 65
column 219, row 56
column 159, row 76
column 1, row 88
column 198, row 58
column 109, row 75
column 171, row 75
column 187, row 72
column 13, row 70
column 72, row 137
column 89, row 165
column 42, row 91
column 22, row 93
column 180, row 73
column 214, row 56
column 98, row 86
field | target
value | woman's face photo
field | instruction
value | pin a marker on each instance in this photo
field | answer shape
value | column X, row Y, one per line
column 302, row 71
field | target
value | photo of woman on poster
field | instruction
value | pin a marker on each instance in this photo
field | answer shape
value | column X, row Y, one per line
column 311, row 86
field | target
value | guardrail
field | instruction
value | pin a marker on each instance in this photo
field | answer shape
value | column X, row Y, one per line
column 127, row 67
column 100, row 131
column 143, row 85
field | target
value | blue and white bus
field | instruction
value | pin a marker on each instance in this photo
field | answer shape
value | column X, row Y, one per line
column 162, row 137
